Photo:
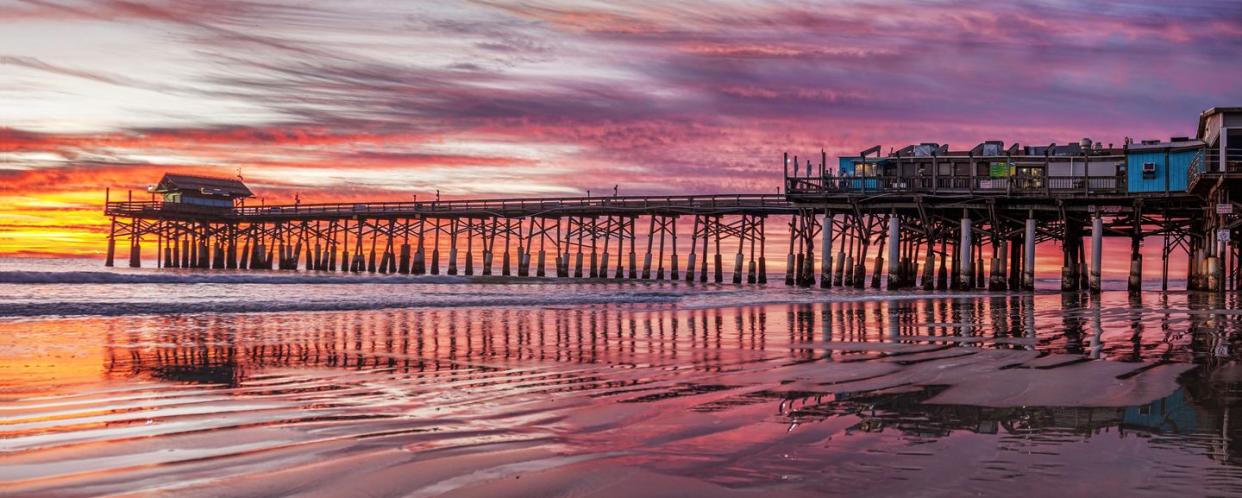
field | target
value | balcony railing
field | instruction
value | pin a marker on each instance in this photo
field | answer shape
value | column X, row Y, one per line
column 1009, row 185
column 1207, row 163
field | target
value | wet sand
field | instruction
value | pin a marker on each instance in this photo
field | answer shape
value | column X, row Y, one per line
column 941, row 396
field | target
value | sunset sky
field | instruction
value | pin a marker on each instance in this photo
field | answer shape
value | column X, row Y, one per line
column 390, row 99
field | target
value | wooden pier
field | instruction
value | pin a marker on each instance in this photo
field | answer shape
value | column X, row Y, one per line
column 924, row 216
column 579, row 237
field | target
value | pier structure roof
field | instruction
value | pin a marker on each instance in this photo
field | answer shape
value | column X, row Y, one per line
column 206, row 185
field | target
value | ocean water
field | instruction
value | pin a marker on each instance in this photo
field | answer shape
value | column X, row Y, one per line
column 183, row 383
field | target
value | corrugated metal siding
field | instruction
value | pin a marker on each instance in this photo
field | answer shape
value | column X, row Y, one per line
column 1176, row 168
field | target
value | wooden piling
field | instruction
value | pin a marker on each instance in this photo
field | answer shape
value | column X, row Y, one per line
column 791, row 265
column 452, row 256
column 706, row 239
column 719, row 273
column 110, row 259
column 469, row 247
column 694, row 234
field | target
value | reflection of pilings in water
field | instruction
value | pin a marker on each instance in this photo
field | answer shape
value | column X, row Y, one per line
column 929, row 318
column 801, row 330
column 967, row 316
column 997, row 308
column 893, row 317
column 1028, row 314
column 1097, row 330
column 1071, row 304
column 468, row 340
column 1136, row 325
column 827, row 322
column 1014, row 313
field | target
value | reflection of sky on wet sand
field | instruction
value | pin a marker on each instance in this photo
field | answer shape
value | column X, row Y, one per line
column 940, row 395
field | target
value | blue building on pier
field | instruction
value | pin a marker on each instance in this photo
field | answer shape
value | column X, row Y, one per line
column 1082, row 168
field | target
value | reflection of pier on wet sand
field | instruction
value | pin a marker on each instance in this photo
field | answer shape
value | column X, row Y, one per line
column 472, row 399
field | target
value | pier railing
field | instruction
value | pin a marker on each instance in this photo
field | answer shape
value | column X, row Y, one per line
column 508, row 207
column 1009, row 185
column 139, row 208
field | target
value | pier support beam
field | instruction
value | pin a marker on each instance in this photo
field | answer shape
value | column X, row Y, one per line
column 403, row 261
column 718, row 259
column 737, row 264
column 505, row 258
column 633, row 250
column 980, row 281
column 135, row 243
column 420, row 253
column 435, row 250
column 469, row 247
column 763, row 262
column 110, row 259
column 452, row 255
column 706, row 243
column 1015, row 264
column 1072, row 238
column 1135, row 283
column 929, row 263
column 942, row 275
column 594, row 270
column 790, row 263
column 1211, row 272
column 996, row 280
column 738, row 258
column 563, row 267
column 1028, row 256
column 650, row 244
column 965, row 278
column 825, row 271
column 838, row 272
column 860, row 264
column 602, row 270
column 877, row 270
column 1097, row 252
column 752, row 267
column 578, row 256
column 372, row 261
column 693, row 251
column 894, row 253
column 659, row 274
column 807, row 277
